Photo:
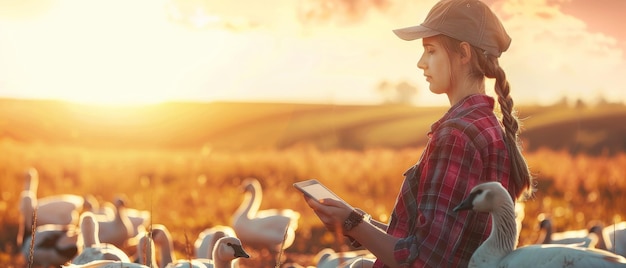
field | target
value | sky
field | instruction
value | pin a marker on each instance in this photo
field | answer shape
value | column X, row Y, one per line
column 312, row 51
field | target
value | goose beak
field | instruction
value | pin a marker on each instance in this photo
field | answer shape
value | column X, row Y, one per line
column 243, row 187
column 465, row 205
column 468, row 203
column 239, row 251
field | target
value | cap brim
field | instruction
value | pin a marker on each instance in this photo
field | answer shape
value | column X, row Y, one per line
column 415, row 32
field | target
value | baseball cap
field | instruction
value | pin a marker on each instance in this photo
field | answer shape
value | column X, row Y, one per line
column 466, row 20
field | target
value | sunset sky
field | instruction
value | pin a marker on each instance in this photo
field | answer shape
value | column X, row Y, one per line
column 321, row 51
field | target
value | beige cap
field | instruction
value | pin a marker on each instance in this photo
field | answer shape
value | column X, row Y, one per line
column 466, row 20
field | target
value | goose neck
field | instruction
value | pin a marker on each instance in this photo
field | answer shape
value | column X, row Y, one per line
column 146, row 251
column 219, row 263
column 503, row 230
column 166, row 245
column 121, row 217
column 251, row 204
column 545, row 236
column 89, row 232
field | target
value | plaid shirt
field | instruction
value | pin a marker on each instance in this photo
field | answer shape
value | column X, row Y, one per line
column 466, row 147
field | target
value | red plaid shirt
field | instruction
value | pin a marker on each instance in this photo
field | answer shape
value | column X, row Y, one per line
column 466, row 147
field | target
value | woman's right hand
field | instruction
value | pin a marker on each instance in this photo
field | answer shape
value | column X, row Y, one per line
column 331, row 212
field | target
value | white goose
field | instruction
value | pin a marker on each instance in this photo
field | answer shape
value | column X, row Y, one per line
column 93, row 249
column 61, row 209
column 225, row 251
column 92, row 204
column 265, row 229
column 106, row 264
column 203, row 245
column 362, row 263
column 54, row 245
column 499, row 250
column 140, row 219
column 329, row 258
column 588, row 238
column 115, row 229
column 119, row 229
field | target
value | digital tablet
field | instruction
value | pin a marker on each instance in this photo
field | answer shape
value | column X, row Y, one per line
column 317, row 190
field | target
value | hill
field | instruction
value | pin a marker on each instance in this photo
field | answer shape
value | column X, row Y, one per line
column 261, row 125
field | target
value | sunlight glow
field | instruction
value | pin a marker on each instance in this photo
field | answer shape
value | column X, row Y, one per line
column 151, row 51
column 136, row 58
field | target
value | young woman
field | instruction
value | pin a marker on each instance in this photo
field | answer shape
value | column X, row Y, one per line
column 462, row 40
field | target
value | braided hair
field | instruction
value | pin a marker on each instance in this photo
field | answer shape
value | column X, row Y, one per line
column 485, row 65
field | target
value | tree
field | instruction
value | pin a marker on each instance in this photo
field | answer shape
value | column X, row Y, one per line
column 385, row 89
column 399, row 93
column 405, row 93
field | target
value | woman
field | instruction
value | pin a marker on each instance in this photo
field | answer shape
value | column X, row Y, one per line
column 462, row 40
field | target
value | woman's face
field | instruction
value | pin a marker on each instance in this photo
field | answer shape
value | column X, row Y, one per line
column 436, row 65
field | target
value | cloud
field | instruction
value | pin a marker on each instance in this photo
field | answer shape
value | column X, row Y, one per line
column 338, row 11
column 266, row 51
column 555, row 54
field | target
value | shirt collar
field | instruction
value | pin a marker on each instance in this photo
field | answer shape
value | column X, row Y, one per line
column 470, row 102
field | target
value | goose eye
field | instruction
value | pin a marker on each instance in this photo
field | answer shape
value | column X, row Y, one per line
column 479, row 191
column 229, row 244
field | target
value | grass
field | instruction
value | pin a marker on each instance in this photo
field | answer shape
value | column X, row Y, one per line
column 573, row 189
column 184, row 162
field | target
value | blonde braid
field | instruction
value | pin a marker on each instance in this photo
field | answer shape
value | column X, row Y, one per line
column 519, row 168
column 484, row 65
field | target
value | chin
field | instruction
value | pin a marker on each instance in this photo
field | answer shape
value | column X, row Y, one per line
column 436, row 91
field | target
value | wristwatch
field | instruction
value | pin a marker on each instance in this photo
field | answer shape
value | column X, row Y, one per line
column 366, row 218
column 352, row 221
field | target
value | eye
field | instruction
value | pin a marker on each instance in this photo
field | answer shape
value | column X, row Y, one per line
column 229, row 244
column 479, row 191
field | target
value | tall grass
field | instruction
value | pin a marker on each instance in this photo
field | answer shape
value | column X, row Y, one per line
column 190, row 190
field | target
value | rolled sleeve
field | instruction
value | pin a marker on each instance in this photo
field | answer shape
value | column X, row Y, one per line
column 406, row 250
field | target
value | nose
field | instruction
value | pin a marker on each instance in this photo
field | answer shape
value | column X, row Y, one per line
column 421, row 63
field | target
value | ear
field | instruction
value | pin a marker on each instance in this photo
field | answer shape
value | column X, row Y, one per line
column 466, row 52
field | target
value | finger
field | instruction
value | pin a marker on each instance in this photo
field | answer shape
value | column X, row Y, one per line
column 314, row 204
column 333, row 203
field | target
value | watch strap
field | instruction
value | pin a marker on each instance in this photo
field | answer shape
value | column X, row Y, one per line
column 352, row 221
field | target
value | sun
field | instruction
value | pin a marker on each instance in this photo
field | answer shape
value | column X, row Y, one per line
column 103, row 55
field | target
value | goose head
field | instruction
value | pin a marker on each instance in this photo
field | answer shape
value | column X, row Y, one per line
column 31, row 180
column 119, row 202
column 545, row 224
column 207, row 240
column 91, row 203
column 486, row 197
column 250, row 185
column 229, row 248
column 163, row 240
